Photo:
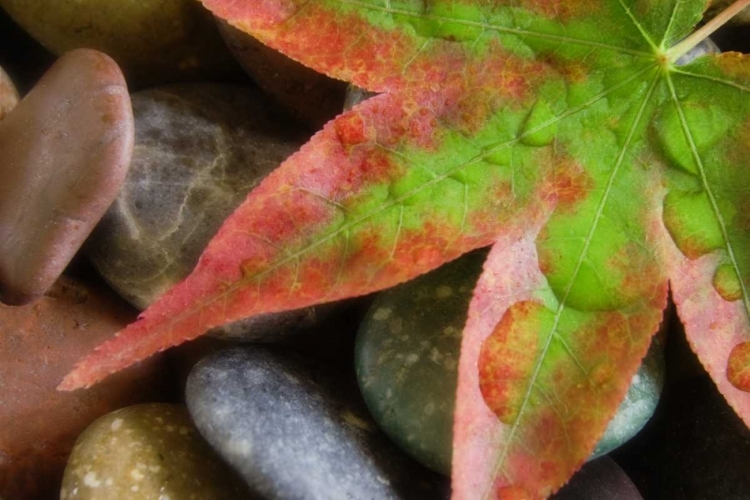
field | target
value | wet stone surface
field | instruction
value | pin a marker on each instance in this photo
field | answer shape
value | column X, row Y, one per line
column 199, row 149
column 295, row 431
column 406, row 358
column 147, row 452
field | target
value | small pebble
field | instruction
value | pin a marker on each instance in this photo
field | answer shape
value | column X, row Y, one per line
column 147, row 452
column 39, row 345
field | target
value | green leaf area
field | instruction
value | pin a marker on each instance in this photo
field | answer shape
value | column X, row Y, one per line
column 566, row 120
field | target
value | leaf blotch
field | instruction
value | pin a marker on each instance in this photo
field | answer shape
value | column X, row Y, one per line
column 738, row 367
column 727, row 284
column 507, row 358
column 690, row 220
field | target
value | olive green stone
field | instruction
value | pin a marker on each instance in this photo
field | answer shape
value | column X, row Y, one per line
column 407, row 352
column 150, row 451
column 407, row 358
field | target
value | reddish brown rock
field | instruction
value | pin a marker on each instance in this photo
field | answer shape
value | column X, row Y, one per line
column 39, row 343
column 64, row 153
column 8, row 94
column 306, row 94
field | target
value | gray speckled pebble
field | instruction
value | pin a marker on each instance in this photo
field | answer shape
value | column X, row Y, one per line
column 296, row 433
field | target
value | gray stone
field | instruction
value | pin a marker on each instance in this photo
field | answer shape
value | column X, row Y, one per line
column 298, row 432
column 199, row 149
column 639, row 404
column 600, row 479
column 407, row 352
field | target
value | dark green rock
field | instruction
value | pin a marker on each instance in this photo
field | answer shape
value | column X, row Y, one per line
column 407, row 354
column 407, row 358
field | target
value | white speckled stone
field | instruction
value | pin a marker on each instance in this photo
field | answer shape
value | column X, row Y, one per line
column 147, row 452
column 407, row 352
column 297, row 433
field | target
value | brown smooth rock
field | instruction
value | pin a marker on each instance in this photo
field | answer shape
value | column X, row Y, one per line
column 153, row 41
column 39, row 343
column 8, row 94
column 64, row 153
column 305, row 93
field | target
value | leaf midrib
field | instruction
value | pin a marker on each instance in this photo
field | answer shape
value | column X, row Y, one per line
column 256, row 277
column 712, row 198
column 563, row 301
column 498, row 28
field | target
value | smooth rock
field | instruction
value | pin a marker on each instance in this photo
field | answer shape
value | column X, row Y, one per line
column 199, row 149
column 407, row 352
column 297, row 432
column 600, row 479
column 305, row 93
column 8, row 94
column 147, row 452
column 39, row 344
column 64, row 153
column 154, row 41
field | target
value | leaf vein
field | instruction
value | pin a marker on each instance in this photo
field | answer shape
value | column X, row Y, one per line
column 712, row 198
column 562, row 304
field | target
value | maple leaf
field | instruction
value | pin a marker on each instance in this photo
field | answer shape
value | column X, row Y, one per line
column 563, row 132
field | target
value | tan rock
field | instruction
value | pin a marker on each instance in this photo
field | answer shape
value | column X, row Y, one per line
column 154, row 41
column 8, row 94
column 39, row 343
column 146, row 452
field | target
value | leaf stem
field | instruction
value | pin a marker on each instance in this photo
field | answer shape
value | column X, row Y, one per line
column 706, row 30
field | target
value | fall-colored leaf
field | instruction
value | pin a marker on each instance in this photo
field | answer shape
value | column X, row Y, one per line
column 561, row 130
